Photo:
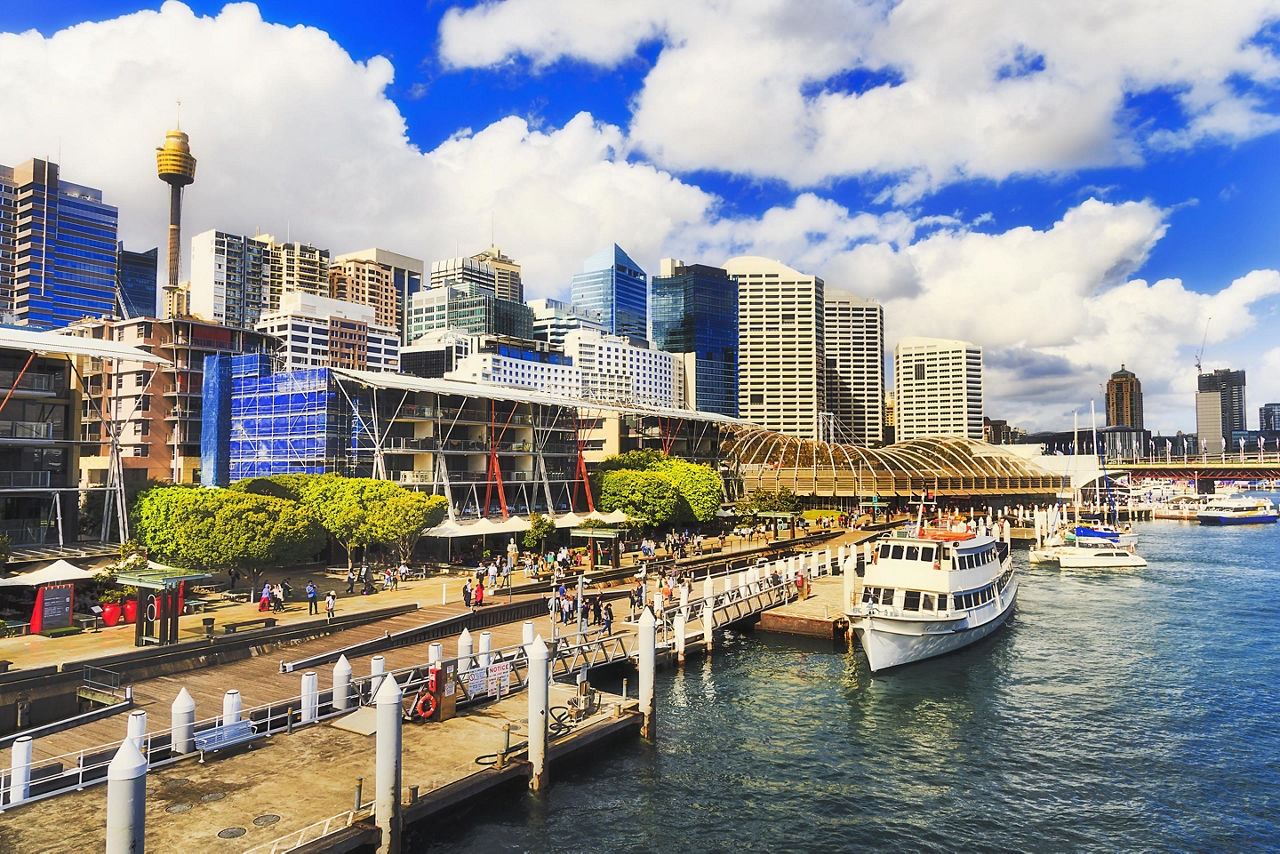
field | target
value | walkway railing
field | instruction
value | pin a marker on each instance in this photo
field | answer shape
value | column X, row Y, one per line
column 312, row 832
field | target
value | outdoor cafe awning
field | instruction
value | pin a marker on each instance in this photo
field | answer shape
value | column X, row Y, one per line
column 58, row 572
column 157, row 576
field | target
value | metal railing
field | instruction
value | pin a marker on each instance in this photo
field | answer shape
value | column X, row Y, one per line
column 314, row 831
column 101, row 679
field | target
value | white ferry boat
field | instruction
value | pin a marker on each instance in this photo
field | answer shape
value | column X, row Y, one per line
column 929, row 592
column 1237, row 510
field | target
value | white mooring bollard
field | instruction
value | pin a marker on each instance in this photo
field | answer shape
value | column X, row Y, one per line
column 230, row 707
column 648, row 661
column 20, row 770
column 386, row 802
column 539, row 672
column 137, row 729
column 377, row 667
column 182, row 721
column 527, row 636
column 342, row 683
column 310, row 697
column 465, row 648
column 679, row 626
column 126, row 800
column 485, row 658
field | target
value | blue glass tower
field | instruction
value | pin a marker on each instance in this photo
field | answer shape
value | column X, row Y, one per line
column 614, row 288
column 136, row 283
column 64, row 248
column 695, row 310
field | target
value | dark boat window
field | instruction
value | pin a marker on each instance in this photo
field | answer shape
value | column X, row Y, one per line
column 926, row 602
column 926, row 552
column 897, row 552
column 884, row 550
column 913, row 553
column 911, row 600
column 942, row 601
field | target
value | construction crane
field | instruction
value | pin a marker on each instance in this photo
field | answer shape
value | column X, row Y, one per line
column 1200, row 352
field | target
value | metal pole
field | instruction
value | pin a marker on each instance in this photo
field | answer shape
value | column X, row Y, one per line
column 386, row 806
column 138, row 729
column 342, row 683
column 679, row 630
column 527, row 637
column 647, row 654
column 377, row 667
column 182, row 720
column 538, row 710
column 126, row 800
column 20, row 770
column 310, row 697
column 486, row 645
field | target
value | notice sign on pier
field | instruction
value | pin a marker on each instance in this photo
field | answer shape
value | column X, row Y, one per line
column 475, row 682
column 500, row 679
column 55, row 606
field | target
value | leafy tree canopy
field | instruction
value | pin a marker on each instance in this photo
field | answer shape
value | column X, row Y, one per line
column 697, row 488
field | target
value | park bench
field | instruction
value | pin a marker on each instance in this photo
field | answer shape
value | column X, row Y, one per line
column 224, row 736
column 230, row 628
column 194, row 606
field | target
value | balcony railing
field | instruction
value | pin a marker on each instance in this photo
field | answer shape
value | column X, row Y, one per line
column 28, row 430
column 24, row 478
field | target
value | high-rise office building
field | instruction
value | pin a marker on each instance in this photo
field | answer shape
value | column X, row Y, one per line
column 367, row 283
column 470, row 275
column 506, row 274
column 319, row 332
column 553, row 319
column 614, row 287
column 406, row 280
column 853, row 332
column 781, row 351
column 937, row 388
column 136, row 283
column 1269, row 416
column 58, row 245
column 1219, row 407
column 1124, row 400
column 474, row 314
column 695, row 311
column 236, row 279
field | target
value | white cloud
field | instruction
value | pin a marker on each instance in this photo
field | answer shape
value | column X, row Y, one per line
column 947, row 90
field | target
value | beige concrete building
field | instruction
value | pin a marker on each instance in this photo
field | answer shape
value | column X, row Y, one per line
column 406, row 278
column 781, row 347
column 937, row 388
column 853, row 332
column 506, row 274
column 235, row 279
column 368, row 283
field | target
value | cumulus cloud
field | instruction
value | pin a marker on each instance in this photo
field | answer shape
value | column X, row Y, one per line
column 924, row 92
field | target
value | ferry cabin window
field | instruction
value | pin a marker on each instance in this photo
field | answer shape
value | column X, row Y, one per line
column 926, row 553
column 913, row 552
column 897, row 552
column 926, row 602
column 911, row 600
column 884, row 550
column 942, row 601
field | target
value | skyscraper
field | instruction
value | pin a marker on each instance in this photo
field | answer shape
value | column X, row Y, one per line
column 472, row 275
column 614, row 287
column 136, row 282
column 853, row 330
column 506, row 274
column 57, row 248
column 781, row 356
column 695, row 311
column 553, row 319
column 1124, row 400
column 177, row 168
column 235, row 279
column 937, row 388
column 1219, row 407
column 1269, row 416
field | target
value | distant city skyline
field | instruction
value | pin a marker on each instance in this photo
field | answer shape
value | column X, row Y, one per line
column 1067, row 196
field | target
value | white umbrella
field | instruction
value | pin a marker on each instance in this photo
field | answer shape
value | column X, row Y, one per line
column 617, row 517
column 57, row 572
column 568, row 520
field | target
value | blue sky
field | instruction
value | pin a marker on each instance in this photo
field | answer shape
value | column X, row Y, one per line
column 1070, row 187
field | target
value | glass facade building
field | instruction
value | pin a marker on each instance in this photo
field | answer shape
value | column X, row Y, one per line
column 695, row 310
column 136, row 283
column 614, row 287
column 57, row 248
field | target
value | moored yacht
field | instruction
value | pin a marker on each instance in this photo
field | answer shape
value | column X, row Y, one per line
column 1237, row 510
column 929, row 592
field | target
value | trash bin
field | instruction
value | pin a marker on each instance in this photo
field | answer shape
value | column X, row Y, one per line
column 208, row 626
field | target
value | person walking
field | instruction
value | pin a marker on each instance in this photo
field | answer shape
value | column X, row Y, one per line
column 608, row 618
column 313, row 599
column 277, row 599
column 479, row 594
column 466, row 593
column 330, row 602
column 264, row 603
column 351, row 581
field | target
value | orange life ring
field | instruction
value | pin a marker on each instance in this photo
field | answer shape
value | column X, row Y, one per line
column 429, row 701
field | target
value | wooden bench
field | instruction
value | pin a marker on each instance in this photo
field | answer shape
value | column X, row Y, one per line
column 230, row 628
column 195, row 605
column 224, row 736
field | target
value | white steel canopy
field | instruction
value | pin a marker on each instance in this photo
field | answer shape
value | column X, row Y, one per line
column 56, row 344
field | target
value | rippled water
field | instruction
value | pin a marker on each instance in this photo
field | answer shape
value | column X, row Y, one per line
column 1119, row 709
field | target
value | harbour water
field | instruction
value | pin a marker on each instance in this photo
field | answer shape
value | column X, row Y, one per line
column 1119, row 710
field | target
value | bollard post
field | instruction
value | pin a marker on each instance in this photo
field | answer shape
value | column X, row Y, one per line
column 684, row 599
column 465, row 648
column 386, row 806
column 20, row 770
column 708, row 588
column 126, row 800
column 486, row 646
column 359, row 794
column 679, row 630
column 538, row 710
column 413, row 794
column 310, row 697
column 435, row 654
column 657, row 601
column 230, row 707
column 708, row 624
column 846, row 585
column 342, row 684
column 506, row 746
column 648, row 655
column 182, row 721
column 527, row 636
column 137, row 732
column 444, row 593
column 288, row 720
column 377, row 667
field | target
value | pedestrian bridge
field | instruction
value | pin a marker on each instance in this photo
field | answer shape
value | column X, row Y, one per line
column 942, row 465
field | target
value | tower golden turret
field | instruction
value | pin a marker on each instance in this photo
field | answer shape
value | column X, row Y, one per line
column 177, row 168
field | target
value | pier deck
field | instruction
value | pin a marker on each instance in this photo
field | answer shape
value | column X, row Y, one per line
column 820, row 615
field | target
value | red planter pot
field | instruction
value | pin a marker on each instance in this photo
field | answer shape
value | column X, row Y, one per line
column 130, row 610
column 111, row 613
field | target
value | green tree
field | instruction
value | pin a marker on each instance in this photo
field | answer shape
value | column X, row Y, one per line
column 290, row 486
column 404, row 516
column 540, row 527
column 648, row 496
column 700, row 488
column 349, row 509
column 783, row 501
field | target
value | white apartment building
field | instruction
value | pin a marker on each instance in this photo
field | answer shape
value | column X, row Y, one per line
column 236, row 279
column 553, row 319
column 937, row 388
column 616, row 370
column 510, row 364
column 319, row 332
column 854, row 343
column 781, row 349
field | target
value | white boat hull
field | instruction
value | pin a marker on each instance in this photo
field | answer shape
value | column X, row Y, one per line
column 1113, row 561
column 889, row 642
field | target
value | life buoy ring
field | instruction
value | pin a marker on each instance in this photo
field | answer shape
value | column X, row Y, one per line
column 426, row 706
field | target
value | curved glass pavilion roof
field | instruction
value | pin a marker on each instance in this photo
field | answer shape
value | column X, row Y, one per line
column 942, row 464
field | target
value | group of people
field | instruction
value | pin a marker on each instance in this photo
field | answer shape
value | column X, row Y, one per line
column 473, row 597
column 391, row 578
column 274, row 596
column 590, row 609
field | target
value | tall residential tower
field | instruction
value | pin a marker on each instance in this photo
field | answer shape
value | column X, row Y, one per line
column 1124, row 400
column 938, row 388
column 854, row 344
